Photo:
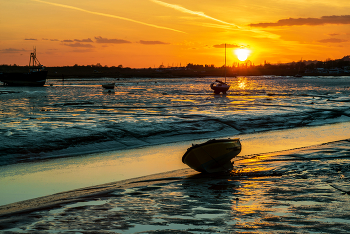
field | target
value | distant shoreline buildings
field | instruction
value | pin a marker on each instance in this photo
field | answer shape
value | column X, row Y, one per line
column 247, row 68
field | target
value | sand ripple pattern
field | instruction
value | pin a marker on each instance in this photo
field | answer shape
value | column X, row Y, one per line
column 299, row 191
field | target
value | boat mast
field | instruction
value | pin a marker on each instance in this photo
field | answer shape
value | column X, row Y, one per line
column 32, row 57
column 36, row 63
column 225, row 62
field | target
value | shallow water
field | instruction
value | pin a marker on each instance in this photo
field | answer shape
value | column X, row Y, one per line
column 79, row 117
column 118, row 157
column 299, row 191
column 277, row 192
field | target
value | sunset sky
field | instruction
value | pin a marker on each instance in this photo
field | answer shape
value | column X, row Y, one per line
column 148, row 33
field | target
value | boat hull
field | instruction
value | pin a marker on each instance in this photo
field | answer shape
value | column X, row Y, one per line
column 108, row 86
column 213, row 155
column 219, row 87
column 33, row 78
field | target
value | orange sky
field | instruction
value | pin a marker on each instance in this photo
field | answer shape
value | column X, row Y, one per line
column 148, row 33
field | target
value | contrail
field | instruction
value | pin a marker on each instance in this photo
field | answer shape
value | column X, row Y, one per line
column 107, row 15
column 185, row 10
column 224, row 25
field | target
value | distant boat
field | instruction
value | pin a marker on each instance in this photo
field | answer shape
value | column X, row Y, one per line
column 219, row 86
column 35, row 77
column 213, row 155
column 108, row 86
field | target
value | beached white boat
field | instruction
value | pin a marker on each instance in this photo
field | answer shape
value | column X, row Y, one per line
column 212, row 156
column 108, row 86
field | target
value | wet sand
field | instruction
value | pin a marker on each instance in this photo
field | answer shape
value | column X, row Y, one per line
column 31, row 180
column 297, row 191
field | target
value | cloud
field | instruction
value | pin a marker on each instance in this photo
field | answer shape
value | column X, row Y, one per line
column 30, row 39
column 153, row 42
column 107, row 15
column 83, row 40
column 81, row 51
column 227, row 46
column 333, row 34
column 54, row 40
column 185, row 10
column 332, row 40
column 78, row 40
column 79, row 45
column 113, row 41
column 12, row 50
column 334, row 19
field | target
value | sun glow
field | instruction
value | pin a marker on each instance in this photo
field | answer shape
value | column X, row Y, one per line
column 242, row 54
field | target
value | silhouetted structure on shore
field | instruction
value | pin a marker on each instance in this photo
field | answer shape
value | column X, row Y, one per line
column 310, row 68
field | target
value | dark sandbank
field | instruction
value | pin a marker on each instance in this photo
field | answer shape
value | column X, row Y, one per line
column 297, row 191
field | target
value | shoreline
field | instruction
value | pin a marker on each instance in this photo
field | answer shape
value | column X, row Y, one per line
column 267, row 192
column 91, row 71
column 31, row 180
column 71, row 196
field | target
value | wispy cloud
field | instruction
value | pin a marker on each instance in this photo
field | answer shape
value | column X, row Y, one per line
column 258, row 33
column 77, row 40
column 213, row 25
column 332, row 40
column 12, row 50
column 153, row 42
column 227, row 46
column 83, row 40
column 188, row 11
column 107, row 15
column 334, row 19
column 79, row 45
column 30, row 39
column 220, row 23
column 112, row 41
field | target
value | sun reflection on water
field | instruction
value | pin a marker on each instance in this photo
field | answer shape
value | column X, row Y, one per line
column 242, row 83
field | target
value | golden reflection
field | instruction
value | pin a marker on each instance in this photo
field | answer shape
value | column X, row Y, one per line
column 258, row 170
column 184, row 100
column 253, row 201
column 242, row 82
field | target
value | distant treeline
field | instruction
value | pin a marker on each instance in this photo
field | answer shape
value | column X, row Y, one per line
column 328, row 67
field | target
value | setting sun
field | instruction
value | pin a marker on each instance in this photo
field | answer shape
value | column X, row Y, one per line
column 242, row 54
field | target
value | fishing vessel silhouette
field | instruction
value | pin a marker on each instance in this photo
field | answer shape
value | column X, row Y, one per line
column 36, row 76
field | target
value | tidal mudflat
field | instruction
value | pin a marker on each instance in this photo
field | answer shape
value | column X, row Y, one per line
column 303, row 190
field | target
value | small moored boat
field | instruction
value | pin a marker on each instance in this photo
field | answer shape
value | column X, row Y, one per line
column 219, row 87
column 108, row 86
column 213, row 155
